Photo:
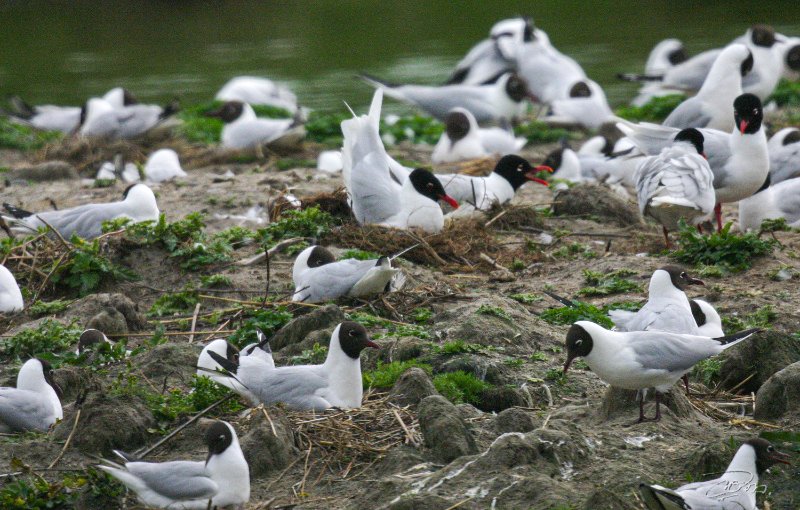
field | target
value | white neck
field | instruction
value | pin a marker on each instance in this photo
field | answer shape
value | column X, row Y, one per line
column 10, row 295
column 742, row 476
column 661, row 287
column 247, row 114
column 31, row 378
column 344, row 374
column 498, row 188
column 231, row 472
column 570, row 168
column 418, row 211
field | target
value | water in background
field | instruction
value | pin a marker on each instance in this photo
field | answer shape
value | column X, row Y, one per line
column 64, row 52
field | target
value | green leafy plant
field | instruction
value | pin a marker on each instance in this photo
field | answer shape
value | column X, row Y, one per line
column 289, row 163
column 37, row 493
column 460, row 346
column 310, row 222
column 49, row 307
column 359, row 255
column 268, row 320
column 415, row 128
column 314, row 356
column 85, row 269
column 774, row 225
column 393, row 329
column 541, row 132
column 603, row 284
column 174, row 303
column 526, row 299
column 14, row 135
column 175, row 402
column 325, row 128
column 656, row 110
column 761, row 318
column 51, row 336
column 707, row 370
column 787, row 93
column 460, row 387
column 735, row 252
column 422, row 315
column 386, row 374
column 216, row 280
column 494, row 311
column 556, row 375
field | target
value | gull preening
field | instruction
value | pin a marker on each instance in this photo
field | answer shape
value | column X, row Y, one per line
column 319, row 277
column 462, row 139
column 244, row 130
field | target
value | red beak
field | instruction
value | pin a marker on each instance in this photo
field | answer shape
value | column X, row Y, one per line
column 743, row 126
column 567, row 364
column 531, row 175
column 704, row 155
column 450, row 200
column 372, row 344
column 781, row 457
column 543, row 168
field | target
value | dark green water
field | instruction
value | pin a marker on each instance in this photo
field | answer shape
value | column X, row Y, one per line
column 64, row 52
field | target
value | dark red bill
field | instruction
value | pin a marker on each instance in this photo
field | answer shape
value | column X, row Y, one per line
column 742, row 126
column 450, row 200
column 372, row 344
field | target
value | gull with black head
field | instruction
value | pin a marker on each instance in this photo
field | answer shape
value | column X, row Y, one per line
column 462, row 139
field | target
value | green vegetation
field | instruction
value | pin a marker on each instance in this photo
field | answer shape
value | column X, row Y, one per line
column 268, row 320
column 175, row 303
column 14, row 135
column 656, row 110
column 556, row 375
column 604, row 284
column 541, row 132
column 787, row 93
column 314, row 356
column 386, row 374
column 574, row 250
column 707, row 370
column 495, row 311
column 51, row 336
column 761, row 318
column 774, row 225
column 34, row 493
column 359, row 255
column 526, row 299
column 325, row 128
column 49, row 307
column 539, row 356
column 422, row 315
column 460, row 346
column 414, row 128
column 103, row 183
column 216, row 280
column 732, row 251
column 393, row 329
column 585, row 312
column 289, row 163
column 85, row 269
column 459, row 387
column 175, row 403
column 311, row 222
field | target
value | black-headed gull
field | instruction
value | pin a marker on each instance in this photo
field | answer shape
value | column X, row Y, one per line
column 709, row 323
column 739, row 159
column 549, row 73
column 503, row 99
column 736, row 489
column 243, row 129
column 499, row 187
column 664, row 55
column 102, row 119
column 638, row 360
column 86, row 221
column 382, row 191
column 335, row 383
column 462, row 139
column 583, row 103
column 711, row 107
column 257, row 90
column 667, row 307
column 677, row 184
column 222, row 480
column 10, row 295
column 780, row 200
column 494, row 56
column 34, row 404
column 319, row 277
column 163, row 165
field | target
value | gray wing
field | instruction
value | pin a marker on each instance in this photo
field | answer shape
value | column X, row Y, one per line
column 648, row 180
column 375, row 195
column 296, row 386
column 784, row 163
column 482, row 63
column 717, row 148
column 787, row 198
column 331, row 280
column 658, row 350
column 688, row 114
column 180, row 479
column 22, row 410
column 648, row 137
column 255, row 132
column 86, row 220
column 438, row 101
column 690, row 75
column 136, row 119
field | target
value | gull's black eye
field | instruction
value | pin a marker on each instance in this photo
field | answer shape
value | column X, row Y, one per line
column 578, row 342
column 352, row 333
column 683, row 275
column 770, row 448
column 430, row 185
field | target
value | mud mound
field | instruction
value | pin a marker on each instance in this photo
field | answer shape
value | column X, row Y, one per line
column 594, row 200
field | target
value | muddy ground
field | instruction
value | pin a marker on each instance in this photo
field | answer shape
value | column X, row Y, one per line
column 541, row 441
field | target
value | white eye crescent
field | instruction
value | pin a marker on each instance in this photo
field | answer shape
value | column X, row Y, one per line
column 578, row 342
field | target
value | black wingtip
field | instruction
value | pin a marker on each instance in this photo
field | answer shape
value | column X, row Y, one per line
column 225, row 363
column 170, row 109
column 263, row 341
column 562, row 300
column 638, row 77
column 724, row 340
column 16, row 211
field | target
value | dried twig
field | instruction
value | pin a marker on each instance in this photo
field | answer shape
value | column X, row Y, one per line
column 66, row 443
column 194, row 322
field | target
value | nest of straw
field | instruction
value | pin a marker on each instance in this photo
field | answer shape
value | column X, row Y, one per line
column 351, row 436
column 458, row 246
column 36, row 260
